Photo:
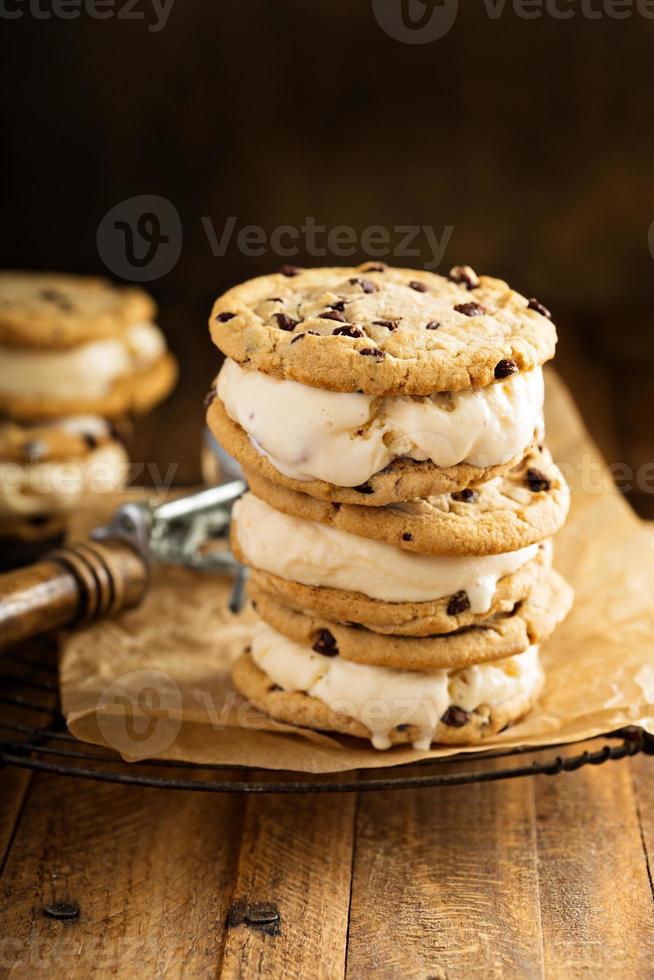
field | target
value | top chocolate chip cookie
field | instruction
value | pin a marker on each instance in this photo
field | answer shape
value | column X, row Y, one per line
column 382, row 330
column 55, row 311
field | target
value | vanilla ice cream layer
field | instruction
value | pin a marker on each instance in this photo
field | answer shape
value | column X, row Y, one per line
column 345, row 438
column 59, row 487
column 319, row 555
column 381, row 698
column 86, row 371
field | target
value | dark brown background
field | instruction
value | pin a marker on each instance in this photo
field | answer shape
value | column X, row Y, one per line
column 533, row 138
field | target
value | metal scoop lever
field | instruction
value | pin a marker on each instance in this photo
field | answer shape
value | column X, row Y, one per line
column 86, row 582
column 180, row 532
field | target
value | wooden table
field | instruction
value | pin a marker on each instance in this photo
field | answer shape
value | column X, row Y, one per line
column 534, row 877
column 528, row 878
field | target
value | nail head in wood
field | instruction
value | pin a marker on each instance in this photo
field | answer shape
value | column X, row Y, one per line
column 64, row 911
column 261, row 916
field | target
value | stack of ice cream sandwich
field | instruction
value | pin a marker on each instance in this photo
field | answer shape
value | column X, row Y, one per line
column 77, row 357
column 401, row 507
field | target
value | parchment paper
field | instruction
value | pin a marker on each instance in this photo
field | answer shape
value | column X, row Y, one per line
column 155, row 682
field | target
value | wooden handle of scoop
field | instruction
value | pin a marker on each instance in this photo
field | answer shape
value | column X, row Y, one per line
column 74, row 586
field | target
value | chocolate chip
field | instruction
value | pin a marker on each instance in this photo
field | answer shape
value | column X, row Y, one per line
column 466, row 496
column 364, row 488
column 418, row 286
column 274, row 299
column 120, row 435
column 464, row 275
column 285, row 322
column 38, row 520
column 224, row 317
column 455, row 717
column 533, row 304
column 209, row 398
column 348, row 331
column 375, row 267
column 332, row 315
column 375, row 352
column 470, row 309
column 432, row 325
column 298, row 336
column 90, row 440
column 275, row 687
column 537, row 481
column 407, row 536
column 290, row 270
column 505, row 368
column 402, row 728
column 59, row 299
column 35, row 451
column 366, row 285
column 389, row 324
column 340, row 306
column 458, row 603
column 325, row 643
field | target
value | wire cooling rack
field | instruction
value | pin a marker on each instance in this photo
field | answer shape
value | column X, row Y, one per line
column 33, row 735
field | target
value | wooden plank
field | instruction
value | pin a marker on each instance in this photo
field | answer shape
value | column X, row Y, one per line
column 14, row 784
column 642, row 774
column 296, row 857
column 598, row 916
column 151, row 872
column 445, row 884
